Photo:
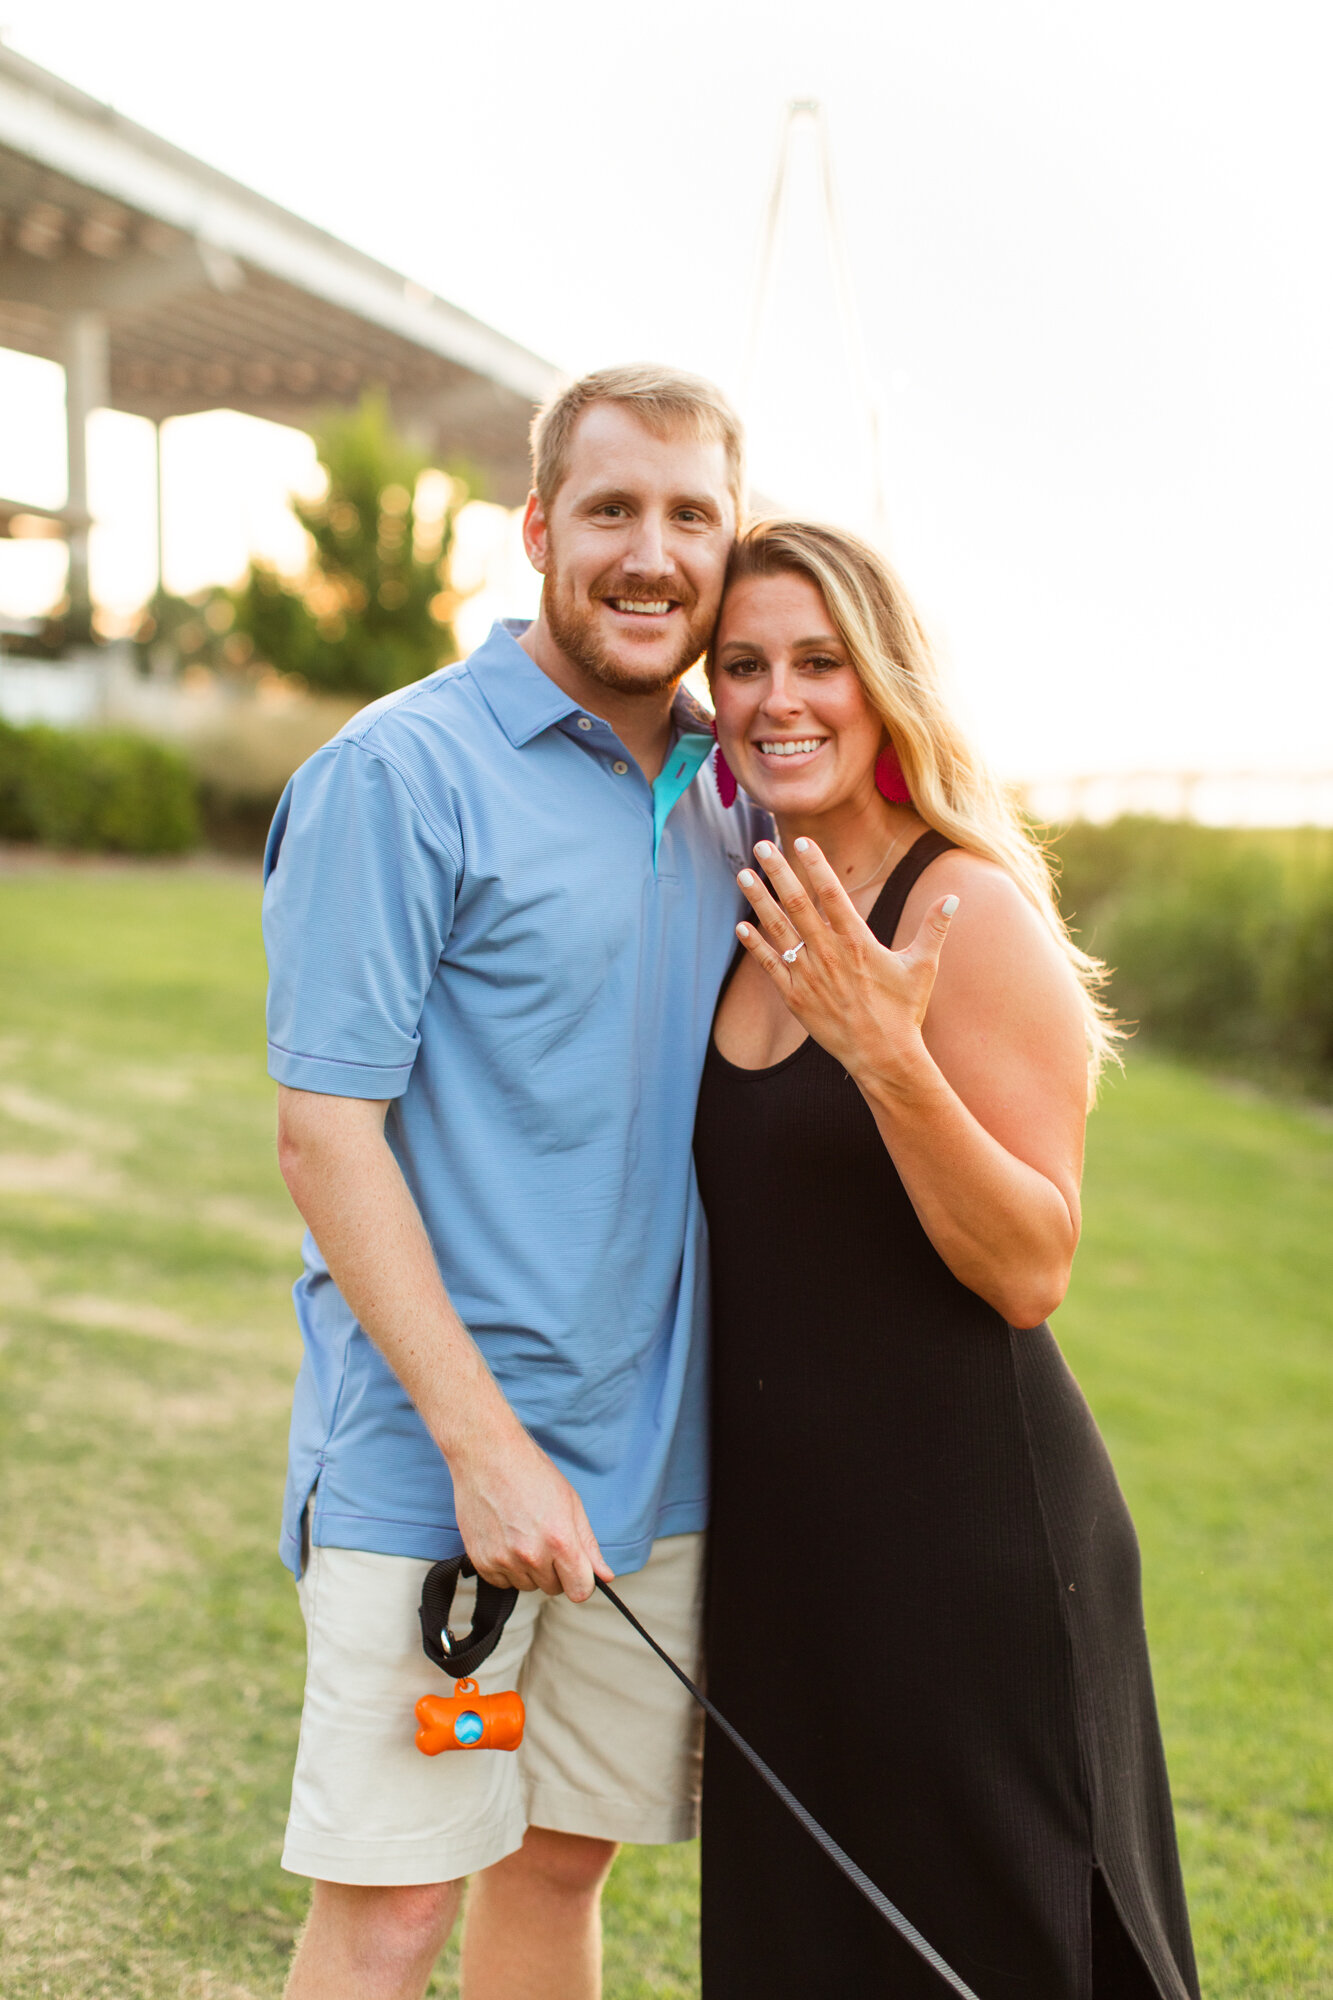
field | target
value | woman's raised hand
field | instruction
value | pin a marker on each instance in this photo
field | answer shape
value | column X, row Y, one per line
column 862, row 1002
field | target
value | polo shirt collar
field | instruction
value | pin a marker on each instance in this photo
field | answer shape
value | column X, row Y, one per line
column 525, row 701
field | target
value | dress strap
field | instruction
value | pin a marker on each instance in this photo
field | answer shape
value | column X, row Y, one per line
column 892, row 899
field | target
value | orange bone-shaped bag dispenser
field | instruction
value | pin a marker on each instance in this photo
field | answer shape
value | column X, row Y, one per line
column 466, row 1719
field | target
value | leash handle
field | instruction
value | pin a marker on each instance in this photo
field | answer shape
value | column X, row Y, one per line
column 873, row 1894
column 488, row 1619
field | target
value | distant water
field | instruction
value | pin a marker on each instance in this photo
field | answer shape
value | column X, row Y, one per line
column 1220, row 798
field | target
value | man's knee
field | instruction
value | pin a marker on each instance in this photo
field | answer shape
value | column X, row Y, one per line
column 398, row 1925
column 564, row 1864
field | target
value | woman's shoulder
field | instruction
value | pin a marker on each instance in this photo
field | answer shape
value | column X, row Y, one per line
column 990, row 891
column 997, row 936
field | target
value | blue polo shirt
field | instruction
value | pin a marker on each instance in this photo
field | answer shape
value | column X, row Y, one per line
column 476, row 906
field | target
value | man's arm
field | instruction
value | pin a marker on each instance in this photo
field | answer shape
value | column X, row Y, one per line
column 521, row 1521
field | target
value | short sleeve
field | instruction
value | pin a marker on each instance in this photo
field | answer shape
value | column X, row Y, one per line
column 358, row 904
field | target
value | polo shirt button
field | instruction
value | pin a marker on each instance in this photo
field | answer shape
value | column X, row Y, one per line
column 620, row 767
column 584, row 722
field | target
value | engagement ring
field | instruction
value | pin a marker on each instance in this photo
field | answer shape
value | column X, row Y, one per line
column 789, row 957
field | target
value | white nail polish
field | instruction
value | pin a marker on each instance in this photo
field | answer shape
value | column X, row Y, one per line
column 950, row 905
column 802, row 844
column 745, row 878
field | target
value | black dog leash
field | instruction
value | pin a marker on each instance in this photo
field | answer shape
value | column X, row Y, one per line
column 493, row 1608
column 873, row 1894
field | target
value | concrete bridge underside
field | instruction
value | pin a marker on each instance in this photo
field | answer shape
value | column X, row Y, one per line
column 163, row 287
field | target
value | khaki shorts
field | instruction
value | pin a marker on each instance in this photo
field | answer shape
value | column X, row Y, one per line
column 612, row 1748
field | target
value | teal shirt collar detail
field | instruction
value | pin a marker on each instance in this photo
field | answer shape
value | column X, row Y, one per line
column 674, row 779
column 525, row 702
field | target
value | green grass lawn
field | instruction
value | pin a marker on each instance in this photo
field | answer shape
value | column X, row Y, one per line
column 152, row 1647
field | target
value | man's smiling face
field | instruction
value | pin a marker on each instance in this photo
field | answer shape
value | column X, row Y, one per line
column 633, row 549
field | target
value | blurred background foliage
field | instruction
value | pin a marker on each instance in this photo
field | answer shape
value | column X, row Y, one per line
column 107, row 790
column 374, row 607
column 1220, row 940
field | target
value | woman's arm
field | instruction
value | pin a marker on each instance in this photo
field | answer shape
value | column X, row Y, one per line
column 974, row 1063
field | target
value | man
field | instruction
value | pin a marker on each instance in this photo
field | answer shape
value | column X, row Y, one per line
column 499, row 907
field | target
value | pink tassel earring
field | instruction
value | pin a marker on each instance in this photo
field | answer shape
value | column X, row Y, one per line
column 889, row 779
column 723, row 776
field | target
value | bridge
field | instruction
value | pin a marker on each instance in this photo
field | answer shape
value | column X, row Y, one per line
column 164, row 287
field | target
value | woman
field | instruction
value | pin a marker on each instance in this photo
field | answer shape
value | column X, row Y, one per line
column 924, row 1603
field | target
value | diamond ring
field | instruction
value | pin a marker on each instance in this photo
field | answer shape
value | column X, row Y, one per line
column 789, row 957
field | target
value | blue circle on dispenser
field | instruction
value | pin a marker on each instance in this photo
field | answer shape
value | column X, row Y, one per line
column 469, row 1727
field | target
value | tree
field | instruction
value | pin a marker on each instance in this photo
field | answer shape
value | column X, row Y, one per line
column 374, row 608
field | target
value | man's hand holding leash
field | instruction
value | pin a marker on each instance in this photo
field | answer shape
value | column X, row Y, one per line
column 521, row 1521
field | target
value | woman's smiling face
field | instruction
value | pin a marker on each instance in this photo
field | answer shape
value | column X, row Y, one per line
column 793, row 721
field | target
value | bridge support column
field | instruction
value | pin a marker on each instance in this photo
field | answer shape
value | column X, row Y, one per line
column 83, row 352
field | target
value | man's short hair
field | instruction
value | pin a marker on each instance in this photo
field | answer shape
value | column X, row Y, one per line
column 663, row 399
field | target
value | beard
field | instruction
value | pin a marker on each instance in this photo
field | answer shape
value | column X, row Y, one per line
column 573, row 626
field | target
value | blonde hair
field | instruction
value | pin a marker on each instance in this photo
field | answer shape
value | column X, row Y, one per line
column 951, row 788
column 663, row 400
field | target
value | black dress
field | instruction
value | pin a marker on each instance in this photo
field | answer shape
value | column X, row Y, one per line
column 923, row 1604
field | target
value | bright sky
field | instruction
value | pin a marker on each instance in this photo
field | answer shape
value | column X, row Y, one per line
column 1090, row 249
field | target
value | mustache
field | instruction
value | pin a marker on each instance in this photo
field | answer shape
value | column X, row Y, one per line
column 675, row 589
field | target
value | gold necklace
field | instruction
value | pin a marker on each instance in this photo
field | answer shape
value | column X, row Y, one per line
column 876, row 872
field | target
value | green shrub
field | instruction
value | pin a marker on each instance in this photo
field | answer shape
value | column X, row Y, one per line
column 1189, row 952
column 1097, row 862
column 1300, row 983
column 373, row 610
column 115, row 792
column 1220, row 940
